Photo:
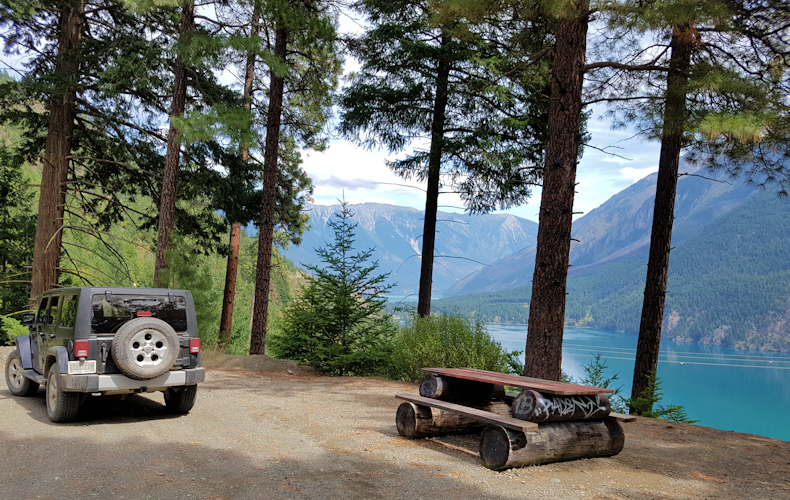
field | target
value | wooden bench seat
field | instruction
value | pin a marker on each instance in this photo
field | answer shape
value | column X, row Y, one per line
column 473, row 413
column 621, row 417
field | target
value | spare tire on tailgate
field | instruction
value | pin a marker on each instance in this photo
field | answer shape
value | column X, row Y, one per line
column 145, row 348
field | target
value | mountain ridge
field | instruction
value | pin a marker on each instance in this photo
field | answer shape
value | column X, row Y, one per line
column 729, row 278
column 618, row 228
column 396, row 232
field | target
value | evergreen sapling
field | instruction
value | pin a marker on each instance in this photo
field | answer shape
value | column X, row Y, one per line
column 338, row 324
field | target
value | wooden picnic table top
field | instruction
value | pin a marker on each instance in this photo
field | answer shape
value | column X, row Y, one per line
column 536, row 384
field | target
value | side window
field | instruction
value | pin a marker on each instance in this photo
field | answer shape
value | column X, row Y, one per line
column 42, row 310
column 68, row 311
column 54, row 310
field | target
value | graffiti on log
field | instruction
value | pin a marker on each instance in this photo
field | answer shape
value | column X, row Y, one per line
column 537, row 407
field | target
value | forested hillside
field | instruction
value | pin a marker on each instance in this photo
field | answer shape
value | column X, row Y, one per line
column 620, row 228
column 729, row 284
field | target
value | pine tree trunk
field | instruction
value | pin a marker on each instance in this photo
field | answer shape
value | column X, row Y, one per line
column 51, row 207
column 547, row 307
column 266, row 235
column 432, row 190
column 681, row 46
column 167, row 203
column 229, row 297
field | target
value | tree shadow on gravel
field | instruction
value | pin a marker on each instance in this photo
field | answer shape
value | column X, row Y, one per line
column 136, row 466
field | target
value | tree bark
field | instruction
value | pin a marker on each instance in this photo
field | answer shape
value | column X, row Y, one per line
column 547, row 307
column 231, row 272
column 432, row 190
column 675, row 117
column 62, row 111
column 502, row 448
column 229, row 297
column 266, row 235
column 167, row 202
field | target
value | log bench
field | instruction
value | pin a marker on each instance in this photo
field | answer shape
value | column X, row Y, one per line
column 546, row 422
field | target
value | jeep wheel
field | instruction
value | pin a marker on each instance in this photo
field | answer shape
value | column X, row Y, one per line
column 180, row 399
column 61, row 406
column 15, row 379
column 145, row 348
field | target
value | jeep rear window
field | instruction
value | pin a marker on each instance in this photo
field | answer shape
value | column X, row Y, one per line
column 110, row 311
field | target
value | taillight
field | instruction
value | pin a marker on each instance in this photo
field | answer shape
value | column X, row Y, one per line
column 81, row 348
column 194, row 346
column 144, row 314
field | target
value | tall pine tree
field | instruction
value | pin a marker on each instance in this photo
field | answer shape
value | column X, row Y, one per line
column 303, row 67
column 430, row 75
column 717, row 98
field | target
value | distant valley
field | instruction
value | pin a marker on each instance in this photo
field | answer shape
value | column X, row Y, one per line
column 729, row 280
column 464, row 243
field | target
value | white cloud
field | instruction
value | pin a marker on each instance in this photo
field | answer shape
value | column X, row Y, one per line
column 345, row 169
column 362, row 176
column 637, row 174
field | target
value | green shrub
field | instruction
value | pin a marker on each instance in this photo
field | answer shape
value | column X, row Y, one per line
column 444, row 342
column 594, row 375
column 10, row 329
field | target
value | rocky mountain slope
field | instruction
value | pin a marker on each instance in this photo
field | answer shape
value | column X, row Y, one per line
column 620, row 228
column 464, row 243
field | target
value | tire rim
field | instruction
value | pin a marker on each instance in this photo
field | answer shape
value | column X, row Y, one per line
column 15, row 377
column 52, row 390
column 148, row 348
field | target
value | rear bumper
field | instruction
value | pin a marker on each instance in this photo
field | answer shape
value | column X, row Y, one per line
column 117, row 382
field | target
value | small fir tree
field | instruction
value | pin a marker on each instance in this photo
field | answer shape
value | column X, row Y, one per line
column 17, row 229
column 338, row 324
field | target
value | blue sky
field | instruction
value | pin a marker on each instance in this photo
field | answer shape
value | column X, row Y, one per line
column 362, row 176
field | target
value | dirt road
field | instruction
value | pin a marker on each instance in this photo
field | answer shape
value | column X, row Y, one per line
column 259, row 432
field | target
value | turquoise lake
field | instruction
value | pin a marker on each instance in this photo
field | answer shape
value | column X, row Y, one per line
column 723, row 388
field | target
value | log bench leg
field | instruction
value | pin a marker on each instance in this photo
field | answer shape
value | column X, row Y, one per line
column 460, row 390
column 416, row 421
column 502, row 448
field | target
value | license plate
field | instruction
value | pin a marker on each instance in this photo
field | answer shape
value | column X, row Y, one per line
column 82, row 367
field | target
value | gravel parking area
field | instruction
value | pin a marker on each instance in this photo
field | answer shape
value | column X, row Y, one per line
column 264, row 428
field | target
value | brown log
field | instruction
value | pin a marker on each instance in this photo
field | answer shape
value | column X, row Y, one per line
column 416, row 421
column 502, row 448
column 460, row 390
column 537, row 407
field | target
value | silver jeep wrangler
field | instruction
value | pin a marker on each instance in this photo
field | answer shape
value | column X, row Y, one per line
column 94, row 340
